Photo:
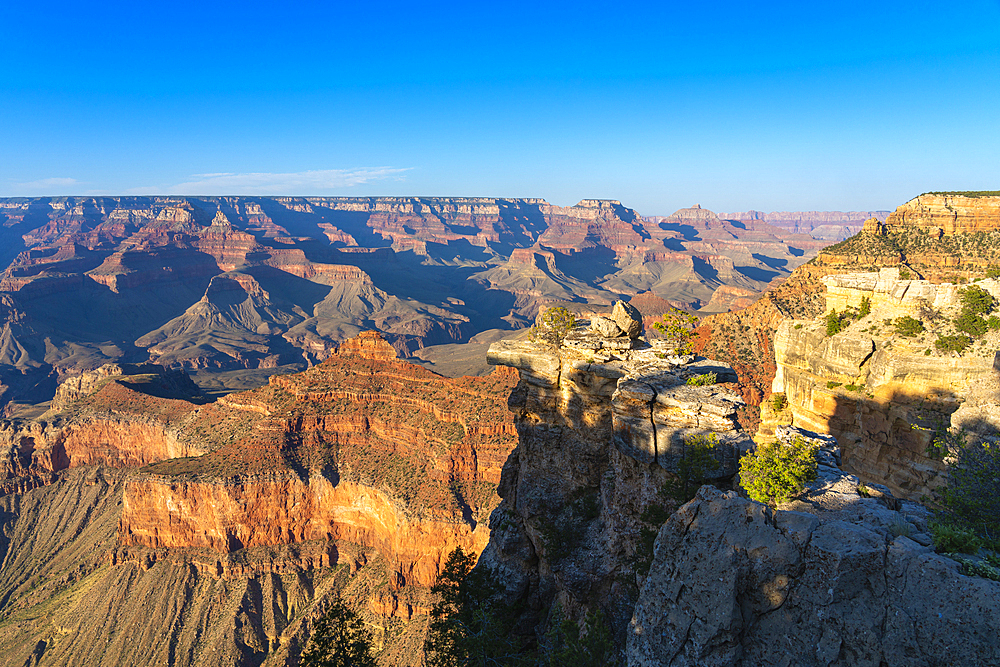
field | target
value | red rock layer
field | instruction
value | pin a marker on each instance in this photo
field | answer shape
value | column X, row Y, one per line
column 361, row 448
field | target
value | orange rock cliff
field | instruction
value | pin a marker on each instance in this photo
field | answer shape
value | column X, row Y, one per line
column 361, row 457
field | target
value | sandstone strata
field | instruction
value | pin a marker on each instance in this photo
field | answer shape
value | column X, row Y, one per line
column 360, row 476
column 904, row 385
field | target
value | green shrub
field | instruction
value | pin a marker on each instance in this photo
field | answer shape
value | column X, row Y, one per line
column 950, row 538
column 993, row 272
column 553, row 325
column 984, row 570
column 866, row 306
column 703, row 380
column 774, row 473
column 566, row 644
column 467, row 624
column 904, row 274
column 833, row 385
column 693, row 468
column 901, row 527
column 834, row 323
column 952, row 343
column 339, row 638
column 908, row 326
column 976, row 300
column 972, row 497
column 993, row 322
column 971, row 324
column 778, row 402
column 677, row 328
column 853, row 387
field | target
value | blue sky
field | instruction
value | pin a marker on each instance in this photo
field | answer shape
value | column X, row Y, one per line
column 770, row 106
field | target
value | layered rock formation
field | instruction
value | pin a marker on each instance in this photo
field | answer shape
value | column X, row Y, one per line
column 882, row 394
column 601, row 423
column 912, row 238
column 360, row 476
column 826, row 225
column 237, row 288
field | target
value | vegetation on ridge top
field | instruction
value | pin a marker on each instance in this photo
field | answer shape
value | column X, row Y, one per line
column 967, row 193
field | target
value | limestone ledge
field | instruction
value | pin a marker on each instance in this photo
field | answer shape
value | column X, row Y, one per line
column 892, row 296
column 883, row 424
column 652, row 409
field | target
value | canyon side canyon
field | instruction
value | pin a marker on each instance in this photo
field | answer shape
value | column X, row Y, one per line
column 222, row 413
column 238, row 288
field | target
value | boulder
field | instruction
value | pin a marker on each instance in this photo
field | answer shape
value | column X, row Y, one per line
column 736, row 583
column 628, row 318
column 605, row 327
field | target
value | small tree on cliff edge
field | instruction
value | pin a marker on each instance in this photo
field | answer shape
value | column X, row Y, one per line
column 677, row 328
column 339, row 639
column 553, row 325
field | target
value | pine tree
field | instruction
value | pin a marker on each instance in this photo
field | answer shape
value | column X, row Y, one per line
column 339, row 639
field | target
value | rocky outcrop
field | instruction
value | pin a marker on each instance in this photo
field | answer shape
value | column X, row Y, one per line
column 834, row 578
column 244, row 516
column 104, row 418
column 883, row 395
column 841, row 575
column 155, row 378
column 362, row 448
column 236, row 285
column 601, row 425
column 913, row 239
column 948, row 213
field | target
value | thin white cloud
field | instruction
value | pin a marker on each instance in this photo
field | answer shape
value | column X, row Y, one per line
column 46, row 186
column 319, row 181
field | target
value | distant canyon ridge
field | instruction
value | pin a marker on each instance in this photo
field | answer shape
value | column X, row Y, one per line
column 235, row 289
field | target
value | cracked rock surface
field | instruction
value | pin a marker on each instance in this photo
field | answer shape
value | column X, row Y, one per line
column 823, row 582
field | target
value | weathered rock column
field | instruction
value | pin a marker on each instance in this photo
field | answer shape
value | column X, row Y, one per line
column 601, row 424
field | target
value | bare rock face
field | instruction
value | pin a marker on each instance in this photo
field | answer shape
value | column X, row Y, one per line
column 600, row 429
column 605, row 327
column 363, row 459
column 628, row 318
column 823, row 581
column 948, row 213
column 939, row 237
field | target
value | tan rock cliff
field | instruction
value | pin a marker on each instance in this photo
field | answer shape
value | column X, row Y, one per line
column 904, row 385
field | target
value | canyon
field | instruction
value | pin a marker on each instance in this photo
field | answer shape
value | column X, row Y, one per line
column 146, row 513
column 236, row 289
column 214, row 532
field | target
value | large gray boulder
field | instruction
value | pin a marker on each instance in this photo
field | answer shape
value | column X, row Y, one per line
column 734, row 583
